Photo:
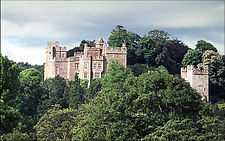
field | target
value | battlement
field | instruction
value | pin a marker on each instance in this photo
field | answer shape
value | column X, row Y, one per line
column 184, row 69
column 53, row 43
column 116, row 50
column 195, row 70
column 198, row 79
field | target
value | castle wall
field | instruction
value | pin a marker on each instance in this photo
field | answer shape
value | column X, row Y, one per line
column 116, row 54
column 72, row 67
column 49, row 70
column 92, row 63
column 198, row 79
column 184, row 73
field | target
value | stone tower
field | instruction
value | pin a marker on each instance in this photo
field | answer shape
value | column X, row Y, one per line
column 198, row 79
column 54, row 61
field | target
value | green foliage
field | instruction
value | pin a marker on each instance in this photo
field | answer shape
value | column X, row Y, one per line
column 138, row 69
column 30, row 76
column 94, row 88
column 217, row 78
column 159, row 35
column 89, row 43
column 55, row 124
column 31, row 91
column 118, row 36
column 217, row 71
column 23, row 66
column 195, row 56
column 209, row 56
column 203, row 46
column 207, row 128
column 9, row 80
column 75, row 93
column 115, row 77
column 15, row 136
column 139, row 103
column 9, row 117
column 135, row 106
column 192, row 57
column 176, row 130
column 54, row 94
column 154, row 49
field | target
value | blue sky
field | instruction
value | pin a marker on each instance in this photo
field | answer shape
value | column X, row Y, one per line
column 28, row 26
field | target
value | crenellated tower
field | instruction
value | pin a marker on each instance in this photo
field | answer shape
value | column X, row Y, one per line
column 198, row 79
column 55, row 56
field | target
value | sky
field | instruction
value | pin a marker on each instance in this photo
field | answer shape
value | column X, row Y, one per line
column 27, row 26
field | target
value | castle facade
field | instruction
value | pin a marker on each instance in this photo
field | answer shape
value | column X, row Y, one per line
column 90, row 63
column 198, row 79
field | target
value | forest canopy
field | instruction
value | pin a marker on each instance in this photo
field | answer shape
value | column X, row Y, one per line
column 145, row 101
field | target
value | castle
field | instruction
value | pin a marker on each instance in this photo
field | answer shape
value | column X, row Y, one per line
column 90, row 63
column 198, row 79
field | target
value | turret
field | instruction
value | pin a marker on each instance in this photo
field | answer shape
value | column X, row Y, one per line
column 100, row 43
column 54, row 53
column 198, row 79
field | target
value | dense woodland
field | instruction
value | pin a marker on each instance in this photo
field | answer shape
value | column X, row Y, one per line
column 146, row 101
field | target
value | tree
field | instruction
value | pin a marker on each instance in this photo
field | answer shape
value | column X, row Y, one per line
column 206, row 128
column 55, row 124
column 75, row 93
column 118, row 36
column 195, row 56
column 88, row 42
column 159, row 35
column 115, row 77
column 203, row 46
column 137, row 108
column 171, row 55
column 10, row 118
column 30, row 76
column 23, row 66
column 54, row 94
column 192, row 57
column 9, row 81
column 31, row 91
column 209, row 56
column 94, row 88
column 138, row 69
column 217, row 78
column 16, row 135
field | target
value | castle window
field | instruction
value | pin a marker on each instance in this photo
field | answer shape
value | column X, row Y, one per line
column 57, row 70
column 97, row 75
column 54, row 52
column 63, row 55
column 85, row 65
column 94, row 65
column 99, row 66
column 76, row 66
column 85, row 75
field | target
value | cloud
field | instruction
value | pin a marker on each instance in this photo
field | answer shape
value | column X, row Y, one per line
column 91, row 14
column 191, row 42
column 32, row 29
column 20, row 53
column 30, row 24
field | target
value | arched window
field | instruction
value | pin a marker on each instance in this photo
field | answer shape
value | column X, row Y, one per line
column 53, row 52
